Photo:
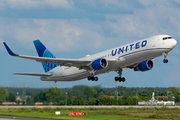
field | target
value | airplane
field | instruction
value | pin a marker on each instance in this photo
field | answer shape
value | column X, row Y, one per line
column 137, row 55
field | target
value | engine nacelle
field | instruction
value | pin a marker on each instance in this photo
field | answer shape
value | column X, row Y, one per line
column 144, row 66
column 100, row 63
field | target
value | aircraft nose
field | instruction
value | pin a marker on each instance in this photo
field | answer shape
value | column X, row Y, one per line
column 174, row 42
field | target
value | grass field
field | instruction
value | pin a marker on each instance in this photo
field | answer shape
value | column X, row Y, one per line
column 96, row 113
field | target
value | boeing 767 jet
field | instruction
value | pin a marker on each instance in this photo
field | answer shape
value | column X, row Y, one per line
column 137, row 55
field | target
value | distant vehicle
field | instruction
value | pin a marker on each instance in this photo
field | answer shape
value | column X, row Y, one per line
column 138, row 55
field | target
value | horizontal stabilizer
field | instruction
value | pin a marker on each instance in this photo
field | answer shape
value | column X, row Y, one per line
column 34, row 74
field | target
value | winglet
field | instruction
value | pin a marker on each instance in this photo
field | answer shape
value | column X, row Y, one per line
column 9, row 50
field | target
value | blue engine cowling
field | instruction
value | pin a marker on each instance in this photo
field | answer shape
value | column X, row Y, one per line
column 144, row 66
column 100, row 63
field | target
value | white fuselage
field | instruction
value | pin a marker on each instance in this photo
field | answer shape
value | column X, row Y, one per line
column 125, row 56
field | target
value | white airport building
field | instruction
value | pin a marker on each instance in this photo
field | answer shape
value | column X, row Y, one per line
column 154, row 102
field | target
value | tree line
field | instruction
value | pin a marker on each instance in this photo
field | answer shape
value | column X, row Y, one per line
column 85, row 95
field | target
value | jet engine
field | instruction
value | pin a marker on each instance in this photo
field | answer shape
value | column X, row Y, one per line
column 144, row 66
column 100, row 63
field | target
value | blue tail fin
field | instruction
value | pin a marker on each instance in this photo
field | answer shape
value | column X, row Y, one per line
column 43, row 52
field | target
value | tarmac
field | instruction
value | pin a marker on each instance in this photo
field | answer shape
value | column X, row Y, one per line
column 18, row 118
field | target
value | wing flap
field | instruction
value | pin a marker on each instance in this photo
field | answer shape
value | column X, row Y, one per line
column 35, row 74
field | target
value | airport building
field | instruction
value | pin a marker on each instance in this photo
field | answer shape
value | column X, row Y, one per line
column 154, row 102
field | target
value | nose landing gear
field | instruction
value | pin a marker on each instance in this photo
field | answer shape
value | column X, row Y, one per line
column 120, row 79
column 165, row 61
column 165, row 57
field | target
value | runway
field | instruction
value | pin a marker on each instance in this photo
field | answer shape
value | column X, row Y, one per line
column 19, row 118
column 98, row 106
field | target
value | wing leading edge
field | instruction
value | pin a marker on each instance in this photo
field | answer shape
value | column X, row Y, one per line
column 35, row 74
column 64, row 62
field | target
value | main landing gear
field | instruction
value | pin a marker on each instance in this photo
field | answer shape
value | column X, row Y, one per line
column 92, row 77
column 165, row 57
column 120, row 79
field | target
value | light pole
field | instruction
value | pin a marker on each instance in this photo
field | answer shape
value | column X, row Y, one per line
column 173, row 98
column 167, row 95
column 136, row 98
column 117, row 98
column 17, row 97
column 66, row 98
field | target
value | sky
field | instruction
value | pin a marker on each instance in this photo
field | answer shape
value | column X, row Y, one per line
column 76, row 28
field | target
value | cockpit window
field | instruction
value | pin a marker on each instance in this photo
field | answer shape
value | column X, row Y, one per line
column 167, row 38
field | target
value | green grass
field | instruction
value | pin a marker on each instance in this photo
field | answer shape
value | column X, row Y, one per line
column 95, row 113
column 66, row 117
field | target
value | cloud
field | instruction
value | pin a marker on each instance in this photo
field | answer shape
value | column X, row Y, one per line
column 1, row 40
column 177, row 1
column 153, row 2
column 85, row 34
column 36, row 4
column 114, row 3
column 76, row 34
column 1, row 43
column 147, row 22
column 64, row 35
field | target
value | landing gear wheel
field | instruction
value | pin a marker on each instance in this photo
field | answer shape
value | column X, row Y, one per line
column 120, row 79
column 96, row 78
column 89, row 78
column 123, row 79
column 116, row 78
column 165, row 61
column 92, row 78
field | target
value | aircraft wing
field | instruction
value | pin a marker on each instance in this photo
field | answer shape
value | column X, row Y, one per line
column 34, row 74
column 63, row 62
